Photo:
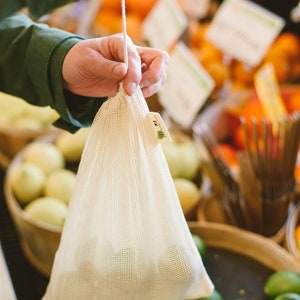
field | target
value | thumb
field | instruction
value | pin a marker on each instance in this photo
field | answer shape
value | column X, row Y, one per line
column 118, row 70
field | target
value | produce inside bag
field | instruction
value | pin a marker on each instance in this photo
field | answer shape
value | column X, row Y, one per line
column 125, row 236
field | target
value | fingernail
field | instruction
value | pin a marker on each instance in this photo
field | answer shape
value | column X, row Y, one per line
column 119, row 71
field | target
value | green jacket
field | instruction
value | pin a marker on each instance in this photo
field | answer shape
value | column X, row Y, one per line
column 31, row 57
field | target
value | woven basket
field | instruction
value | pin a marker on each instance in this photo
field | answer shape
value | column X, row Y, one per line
column 247, row 243
column 39, row 241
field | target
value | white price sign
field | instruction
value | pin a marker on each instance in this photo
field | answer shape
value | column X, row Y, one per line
column 244, row 30
column 165, row 24
column 187, row 87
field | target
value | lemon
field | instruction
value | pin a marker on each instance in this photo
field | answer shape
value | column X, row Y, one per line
column 28, row 123
column 48, row 210
column 45, row 155
column 282, row 282
column 71, row 145
column 173, row 158
column 44, row 115
column 190, row 160
column 187, row 191
column 27, row 182
column 60, row 184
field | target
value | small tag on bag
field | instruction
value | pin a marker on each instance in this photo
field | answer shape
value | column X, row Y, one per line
column 158, row 127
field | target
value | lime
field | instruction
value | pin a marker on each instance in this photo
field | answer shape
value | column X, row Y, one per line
column 200, row 244
column 214, row 296
column 288, row 296
column 281, row 282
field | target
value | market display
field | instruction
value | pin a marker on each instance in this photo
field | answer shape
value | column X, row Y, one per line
column 21, row 123
column 192, row 187
column 16, row 112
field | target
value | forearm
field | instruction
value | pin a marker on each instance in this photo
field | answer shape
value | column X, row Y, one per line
column 31, row 58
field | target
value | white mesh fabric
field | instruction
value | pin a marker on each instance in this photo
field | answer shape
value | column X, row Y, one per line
column 125, row 236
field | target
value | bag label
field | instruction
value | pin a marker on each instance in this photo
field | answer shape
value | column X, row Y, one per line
column 158, row 127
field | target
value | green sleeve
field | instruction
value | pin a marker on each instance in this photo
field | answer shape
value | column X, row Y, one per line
column 37, row 7
column 31, row 57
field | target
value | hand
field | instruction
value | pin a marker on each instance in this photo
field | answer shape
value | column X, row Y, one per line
column 95, row 67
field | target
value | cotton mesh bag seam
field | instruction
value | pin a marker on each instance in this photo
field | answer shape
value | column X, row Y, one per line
column 125, row 236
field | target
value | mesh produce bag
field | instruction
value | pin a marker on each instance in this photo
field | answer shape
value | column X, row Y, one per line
column 125, row 236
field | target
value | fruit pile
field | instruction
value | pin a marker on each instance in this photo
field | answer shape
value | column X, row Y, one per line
column 42, row 182
column 284, row 55
column 16, row 113
column 184, row 163
column 249, row 110
column 109, row 17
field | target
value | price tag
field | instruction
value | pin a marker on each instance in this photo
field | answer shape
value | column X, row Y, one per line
column 269, row 94
column 164, row 25
column 244, row 30
column 187, row 87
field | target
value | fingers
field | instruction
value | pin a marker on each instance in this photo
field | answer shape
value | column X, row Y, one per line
column 114, row 50
column 95, row 67
column 134, row 72
column 150, row 89
column 154, row 67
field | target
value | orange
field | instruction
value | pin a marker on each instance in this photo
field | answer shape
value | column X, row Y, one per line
column 194, row 34
column 140, row 7
column 197, row 33
column 295, row 70
column 293, row 102
column 297, row 173
column 209, row 53
column 218, row 71
column 111, row 4
column 251, row 110
column 297, row 236
column 288, row 43
column 228, row 154
column 107, row 21
column 280, row 60
column 242, row 73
